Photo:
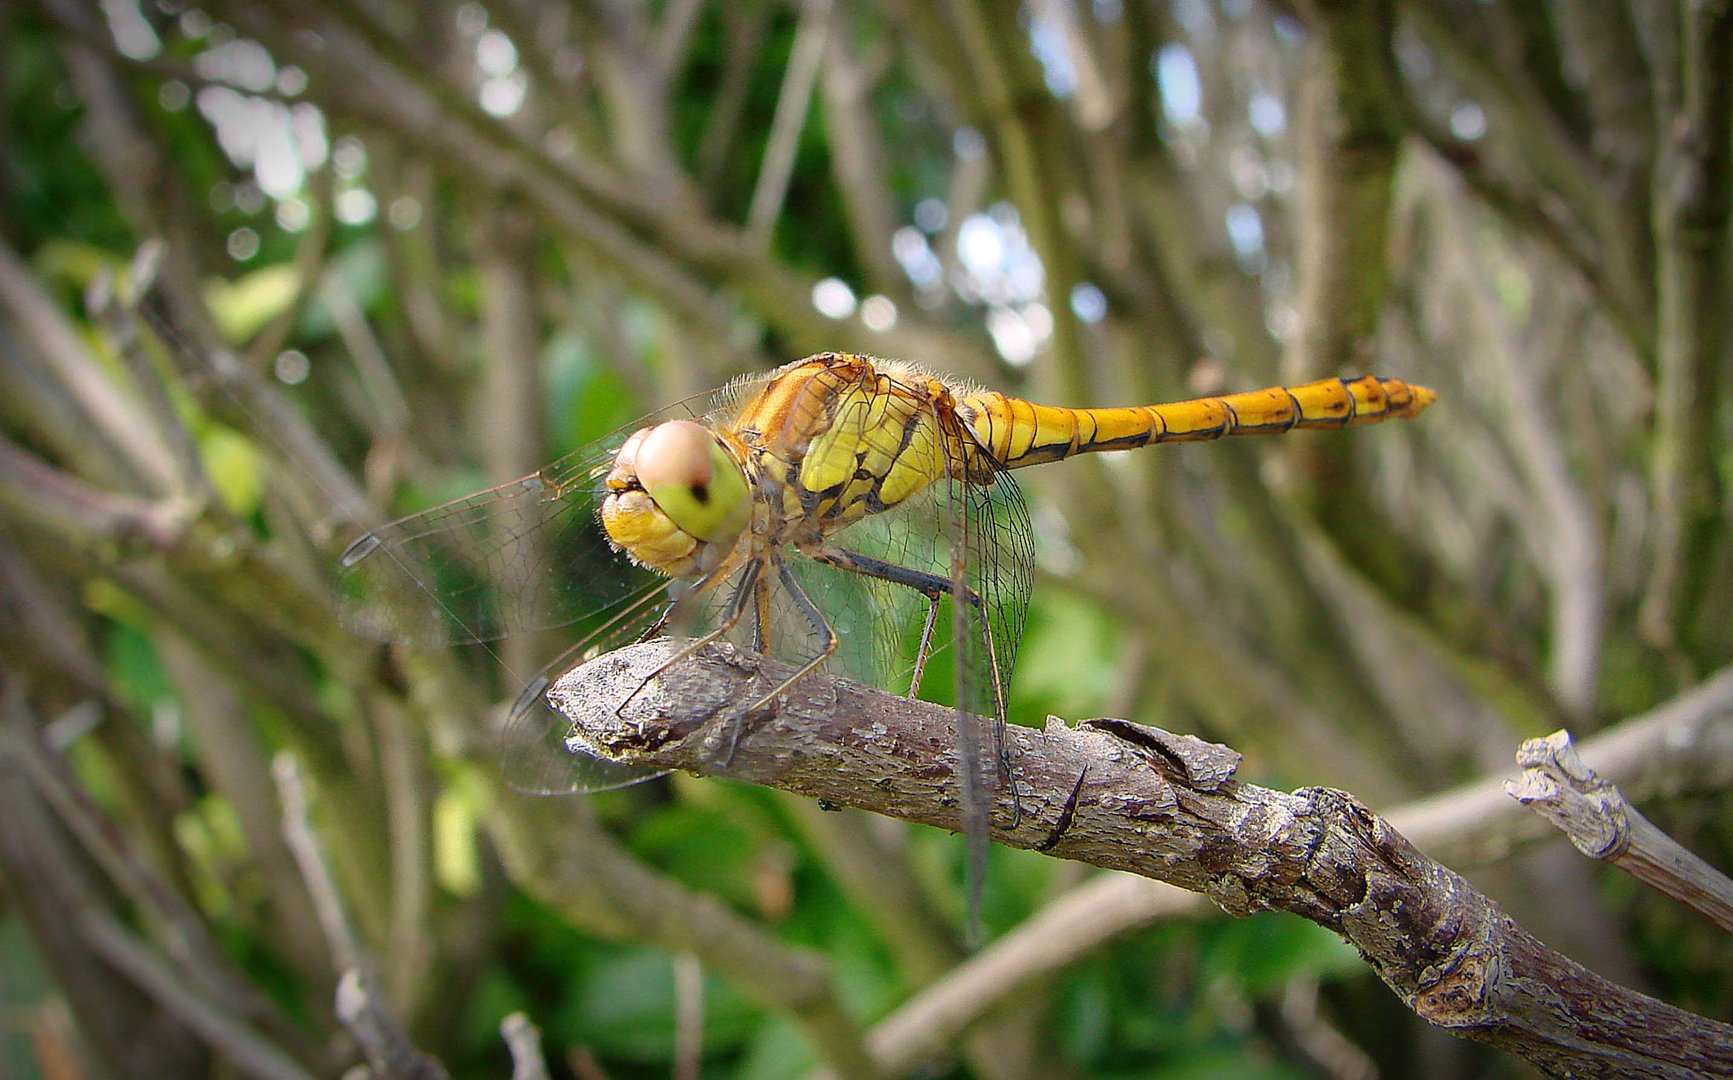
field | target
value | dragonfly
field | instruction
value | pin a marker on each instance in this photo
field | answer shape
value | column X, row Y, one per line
column 840, row 509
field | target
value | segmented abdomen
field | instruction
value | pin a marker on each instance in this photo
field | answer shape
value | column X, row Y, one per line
column 1020, row 433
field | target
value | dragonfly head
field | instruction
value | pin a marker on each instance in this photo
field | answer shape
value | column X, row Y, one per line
column 674, row 495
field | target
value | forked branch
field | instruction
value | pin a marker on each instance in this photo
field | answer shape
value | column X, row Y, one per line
column 1119, row 795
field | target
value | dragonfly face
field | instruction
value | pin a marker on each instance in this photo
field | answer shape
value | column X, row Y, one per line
column 676, row 500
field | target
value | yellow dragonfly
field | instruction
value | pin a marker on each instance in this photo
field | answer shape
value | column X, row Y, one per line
column 839, row 508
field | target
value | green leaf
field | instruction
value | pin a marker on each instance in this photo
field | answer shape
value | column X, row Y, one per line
column 74, row 263
column 702, row 848
column 242, row 307
column 456, row 858
column 625, row 1008
column 236, row 468
column 1261, row 954
column 134, row 669
column 777, row 1051
column 1070, row 656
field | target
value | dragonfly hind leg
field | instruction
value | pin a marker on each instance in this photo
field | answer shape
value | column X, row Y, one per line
column 933, row 587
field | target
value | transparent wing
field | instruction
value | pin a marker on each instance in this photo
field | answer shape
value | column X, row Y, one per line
column 538, row 754
column 524, row 556
column 528, row 555
column 960, row 553
column 993, row 555
column 900, row 555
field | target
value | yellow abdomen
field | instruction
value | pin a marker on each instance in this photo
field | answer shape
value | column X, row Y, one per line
column 1019, row 433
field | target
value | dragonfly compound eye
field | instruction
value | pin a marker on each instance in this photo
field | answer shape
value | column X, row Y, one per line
column 674, row 490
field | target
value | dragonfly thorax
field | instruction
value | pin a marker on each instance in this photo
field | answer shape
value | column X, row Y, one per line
column 677, row 499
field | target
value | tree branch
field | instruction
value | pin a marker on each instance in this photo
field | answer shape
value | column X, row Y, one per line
column 1119, row 795
column 1348, row 138
column 1692, row 207
column 1683, row 747
column 1604, row 825
column 246, row 1050
column 791, row 108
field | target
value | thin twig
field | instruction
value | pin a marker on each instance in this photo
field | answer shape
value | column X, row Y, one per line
column 410, row 943
column 1575, row 190
column 1044, row 946
column 390, row 409
column 679, row 18
column 789, row 119
column 1604, row 825
column 359, row 1006
column 225, row 1033
column 381, row 1037
column 99, row 414
column 202, row 962
column 860, row 164
column 554, row 850
column 1693, row 204
column 304, row 845
column 120, row 315
column 524, row 1040
column 688, row 1017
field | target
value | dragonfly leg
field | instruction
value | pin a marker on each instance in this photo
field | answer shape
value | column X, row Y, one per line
column 931, row 586
column 761, row 615
column 926, row 647
column 825, row 633
column 934, row 586
column 731, row 616
column 566, row 660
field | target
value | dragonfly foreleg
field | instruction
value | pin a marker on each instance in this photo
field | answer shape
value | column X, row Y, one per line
column 826, row 635
column 926, row 647
column 731, row 616
column 761, row 615
column 656, row 627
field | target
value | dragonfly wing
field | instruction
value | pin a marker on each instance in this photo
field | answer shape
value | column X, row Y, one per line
column 995, row 540
column 992, row 554
column 528, row 555
column 525, row 556
column 522, row 556
column 966, row 538
column 877, row 614
column 538, row 754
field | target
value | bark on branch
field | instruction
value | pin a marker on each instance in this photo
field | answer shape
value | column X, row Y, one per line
column 1123, row 796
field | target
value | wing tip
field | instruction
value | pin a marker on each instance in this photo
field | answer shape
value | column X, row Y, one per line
column 359, row 550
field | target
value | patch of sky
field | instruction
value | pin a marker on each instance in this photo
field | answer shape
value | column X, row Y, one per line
column 1088, row 303
column 1047, row 39
column 278, row 142
column 833, row 298
column 1468, row 121
column 133, row 36
column 916, row 257
column 1245, row 232
column 1267, row 115
column 1181, row 89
